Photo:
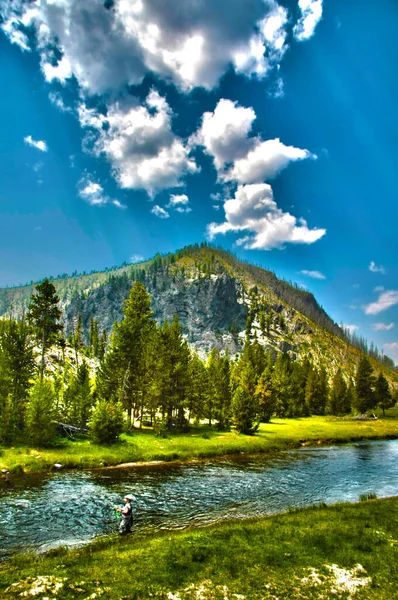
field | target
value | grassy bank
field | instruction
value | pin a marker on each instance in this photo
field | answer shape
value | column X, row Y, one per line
column 341, row 551
column 201, row 442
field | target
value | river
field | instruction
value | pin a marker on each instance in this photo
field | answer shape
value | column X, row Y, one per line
column 70, row 508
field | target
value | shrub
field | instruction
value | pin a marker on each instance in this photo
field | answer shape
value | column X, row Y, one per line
column 106, row 422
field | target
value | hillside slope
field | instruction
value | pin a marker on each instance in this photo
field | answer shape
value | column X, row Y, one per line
column 218, row 300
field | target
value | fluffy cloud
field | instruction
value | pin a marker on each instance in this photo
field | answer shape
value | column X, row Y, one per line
column 139, row 143
column 160, row 212
column 376, row 269
column 93, row 193
column 311, row 14
column 382, row 326
column 385, row 300
column 191, row 42
column 136, row 258
column 38, row 144
column 224, row 134
column 254, row 210
column 313, row 274
column 179, row 202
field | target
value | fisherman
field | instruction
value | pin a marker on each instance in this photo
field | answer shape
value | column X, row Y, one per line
column 126, row 514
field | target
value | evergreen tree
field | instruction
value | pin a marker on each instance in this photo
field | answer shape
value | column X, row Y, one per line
column 16, row 363
column 282, row 385
column 317, row 391
column 94, row 341
column 198, row 387
column 339, row 403
column 78, row 398
column 77, row 338
column 173, row 377
column 41, row 414
column 245, row 411
column 124, row 374
column 265, row 393
column 298, row 406
column 219, row 391
column 44, row 315
column 383, row 397
column 364, row 382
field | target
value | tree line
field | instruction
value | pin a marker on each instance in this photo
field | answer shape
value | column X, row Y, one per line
column 148, row 376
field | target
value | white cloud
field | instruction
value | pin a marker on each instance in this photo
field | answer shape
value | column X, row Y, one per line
column 386, row 299
column 311, row 14
column 140, row 145
column 313, row 274
column 179, row 202
column 56, row 99
column 378, row 288
column 38, row 144
column 392, row 349
column 136, row 258
column 376, row 269
column 351, row 328
column 93, row 193
column 178, row 199
column 193, row 42
column 382, row 326
column 224, row 134
column 160, row 212
column 254, row 210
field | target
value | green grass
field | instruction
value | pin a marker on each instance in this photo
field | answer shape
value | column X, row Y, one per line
column 201, row 442
column 300, row 554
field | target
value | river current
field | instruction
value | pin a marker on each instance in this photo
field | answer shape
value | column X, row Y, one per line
column 68, row 508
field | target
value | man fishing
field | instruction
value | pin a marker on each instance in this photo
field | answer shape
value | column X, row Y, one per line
column 126, row 512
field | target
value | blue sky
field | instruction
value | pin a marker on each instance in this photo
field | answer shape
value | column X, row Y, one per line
column 131, row 127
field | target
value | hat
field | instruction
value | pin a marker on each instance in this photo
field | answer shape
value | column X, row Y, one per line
column 129, row 497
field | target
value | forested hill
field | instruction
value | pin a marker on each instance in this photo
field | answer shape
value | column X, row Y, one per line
column 218, row 298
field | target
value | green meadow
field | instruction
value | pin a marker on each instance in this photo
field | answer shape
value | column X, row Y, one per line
column 342, row 551
column 201, row 442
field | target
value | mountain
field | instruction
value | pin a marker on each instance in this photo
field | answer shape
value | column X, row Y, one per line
column 218, row 298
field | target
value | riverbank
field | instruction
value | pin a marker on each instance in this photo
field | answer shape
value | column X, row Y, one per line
column 201, row 442
column 340, row 551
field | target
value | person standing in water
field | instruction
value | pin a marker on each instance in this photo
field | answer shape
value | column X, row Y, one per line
column 127, row 515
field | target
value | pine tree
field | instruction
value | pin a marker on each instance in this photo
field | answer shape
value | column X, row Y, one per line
column 106, row 422
column 265, row 394
column 245, row 411
column 281, row 384
column 41, row 414
column 94, row 338
column 44, row 315
column 317, row 391
column 173, row 377
column 219, row 390
column 338, row 400
column 382, row 392
column 198, row 387
column 77, row 338
column 364, row 383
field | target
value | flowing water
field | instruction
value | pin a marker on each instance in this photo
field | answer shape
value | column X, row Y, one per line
column 69, row 508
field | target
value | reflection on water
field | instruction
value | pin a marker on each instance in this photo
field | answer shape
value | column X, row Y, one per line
column 71, row 508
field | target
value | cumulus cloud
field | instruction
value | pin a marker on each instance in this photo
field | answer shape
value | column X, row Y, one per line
column 311, row 14
column 386, row 300
column 224, row 135
column 254, row 210
column 313, row 274
column 193, row 42
column 139, row 143
column 376, row 269
column 382, row 326
column 179, row 202
column 38, row 144
column 93, row 193
column 160, row 212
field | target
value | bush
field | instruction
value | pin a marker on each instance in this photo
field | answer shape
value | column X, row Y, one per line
column 106, row 422
column 40, row 414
